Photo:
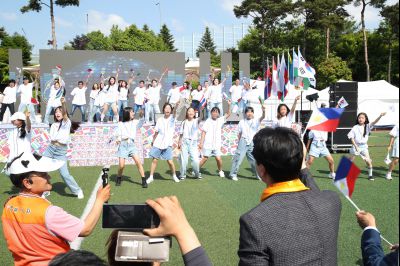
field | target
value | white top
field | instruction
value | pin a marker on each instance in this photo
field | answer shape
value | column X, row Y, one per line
column 26, row 92
column 190, row 129
column 153, row 94
column 248, row 128
column 236, row 92
column 318, row 136
column 215, row 95
column 128, row 130
column 123, row 94
column 53, row 101
column 60, row 134
column 285, row 121
column 18, row 145
column 112, row 93
column 166, row 130
column 79, row 96
column 100, row 99
column 197, row 95
column 213, row 129
column 357, row 133
column 93, row 94
column 174, row 95
column 139, row 95
column 395, row 131
column 10, row 94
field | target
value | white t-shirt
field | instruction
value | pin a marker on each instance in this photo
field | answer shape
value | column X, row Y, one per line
column 174, row 95
column 79, row 96
column 318, row 136
column 285, row 121
column 185, row 94
column 248, row 128
column 215, row 95
column 53, row 101
column 60, row 134
column 236, row 92
column 26, row 93
column 213, row 129
column 18, row 145
column 10, row 95
column 357, row 133
column 128, row 130
column 166, row 130
column 395, row 131
column 197, row 95
column 139, row 95
column 100, row 99
column 112, row 93
column 190, row 129
column 153, row 94
column 123, row 94
column 94, row 94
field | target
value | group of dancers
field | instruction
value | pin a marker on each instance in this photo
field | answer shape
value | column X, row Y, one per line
column 195, row 139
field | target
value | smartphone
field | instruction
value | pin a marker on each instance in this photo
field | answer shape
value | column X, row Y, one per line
column 128, row 216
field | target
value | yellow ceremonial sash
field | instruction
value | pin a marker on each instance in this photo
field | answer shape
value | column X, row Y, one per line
column 283, row 187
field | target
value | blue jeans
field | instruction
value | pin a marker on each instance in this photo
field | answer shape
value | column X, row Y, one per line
column 121, row 105
column 212, row 105
column 242, row 150
column 80, row 107
column 93, row 111
column 31, row 110
column 137, row 107
column 47, row 113
column 60, row 153
column 189, row 150
column 150, row 112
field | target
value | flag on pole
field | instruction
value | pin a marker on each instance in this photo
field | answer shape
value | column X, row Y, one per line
column 283, row 80
column 268, row 82
column 305, row 70
column 290, row 69
column 346, row 176
column 325, row 119
column 275, row 78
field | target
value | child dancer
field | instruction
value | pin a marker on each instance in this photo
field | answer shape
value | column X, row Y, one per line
column 285, row 116
column 248, row 127
column 56, row 91
column 60, row 137
column 19, row 139
column 162, row 142
column 359, row 138
column 10, row 97
column 211, row 137
column 316, row 146
column 126, row 135
column 394, row 149
column 188, row 140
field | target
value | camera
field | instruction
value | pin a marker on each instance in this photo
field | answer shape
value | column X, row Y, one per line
column 104, row 176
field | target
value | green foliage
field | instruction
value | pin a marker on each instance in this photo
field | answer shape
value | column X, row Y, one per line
column 167, row 37
column 207, row 44
column 36, row 5
column 331, row 70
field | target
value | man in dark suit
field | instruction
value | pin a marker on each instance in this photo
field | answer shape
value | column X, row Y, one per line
column 293, row 224
column 371, row 247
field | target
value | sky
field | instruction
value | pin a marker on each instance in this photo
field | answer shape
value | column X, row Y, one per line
column 186, row 20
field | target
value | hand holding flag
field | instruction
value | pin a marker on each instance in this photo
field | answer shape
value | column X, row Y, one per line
column 342, row 103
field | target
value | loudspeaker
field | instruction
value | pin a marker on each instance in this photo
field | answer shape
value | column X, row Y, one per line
column 348, row 90
column 303, row 116
column 338, row 140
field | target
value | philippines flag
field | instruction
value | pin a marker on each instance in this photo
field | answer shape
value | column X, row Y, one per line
column 346, row 176
column 325, row 119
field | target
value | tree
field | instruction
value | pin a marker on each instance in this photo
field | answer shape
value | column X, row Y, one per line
column 98, row 41
column 167, row 37
column 36, row 5
column 331, row 70
column 79, row 42
column 146, row 27
column 207, row 44
column 364, row 4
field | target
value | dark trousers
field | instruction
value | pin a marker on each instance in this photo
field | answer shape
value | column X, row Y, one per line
column 4, row 107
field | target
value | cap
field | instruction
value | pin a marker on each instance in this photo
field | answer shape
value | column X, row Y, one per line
column 27, row 162
column 18, row 116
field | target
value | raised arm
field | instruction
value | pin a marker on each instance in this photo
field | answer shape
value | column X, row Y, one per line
column 203, row 135
column 377, row 120
column 263, row 113
column 162, row 75
column 64, row 107
column 28, row 121
column 228, row 113
column 294, row 105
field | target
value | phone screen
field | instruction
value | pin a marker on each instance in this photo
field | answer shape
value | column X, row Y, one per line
column 139, row 216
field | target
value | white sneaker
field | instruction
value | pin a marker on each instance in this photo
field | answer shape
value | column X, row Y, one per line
column 234, row 178
column 221, row 173
column 80, row 194
column 176, row 179
column 332, row 175
column 389, row 176
column 150, row 179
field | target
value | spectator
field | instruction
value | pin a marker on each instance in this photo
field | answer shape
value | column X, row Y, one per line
column 293, row 224
column 36, row 230
column 372, row 252
column 75, row 258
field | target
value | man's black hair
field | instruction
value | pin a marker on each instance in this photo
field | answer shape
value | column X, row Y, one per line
column 280, row 151
column 17, row 179
column 249, row 109
column 77, row 257
column 126, row 114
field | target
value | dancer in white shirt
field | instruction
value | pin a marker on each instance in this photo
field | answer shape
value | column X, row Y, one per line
column 56, row 92
column 26, row 90
column 285, row 115
column 394, row 150
column 79, row 100
column 153, row 94
column 139, row 94
column 10, row 97
column 111, row 95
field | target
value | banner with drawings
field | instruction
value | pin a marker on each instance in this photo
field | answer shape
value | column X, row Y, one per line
column 94, row 144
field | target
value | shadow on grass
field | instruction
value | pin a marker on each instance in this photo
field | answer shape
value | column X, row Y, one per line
column 113, row 178
column 13, row 190
column 59, row 188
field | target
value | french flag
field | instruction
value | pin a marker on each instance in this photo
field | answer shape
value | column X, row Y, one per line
column 346, row 176
column 325, row 119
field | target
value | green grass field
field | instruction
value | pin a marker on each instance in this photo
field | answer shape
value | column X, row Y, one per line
column 213, row 205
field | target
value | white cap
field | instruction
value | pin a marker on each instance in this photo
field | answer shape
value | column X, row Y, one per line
column 26, row 162
column 18, row 116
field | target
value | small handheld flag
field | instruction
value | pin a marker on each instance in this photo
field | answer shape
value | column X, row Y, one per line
column 325, row 119
column 34, row 101
column 346, row 176
column 342, row 103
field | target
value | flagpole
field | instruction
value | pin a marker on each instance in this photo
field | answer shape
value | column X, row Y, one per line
column 358, row 209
